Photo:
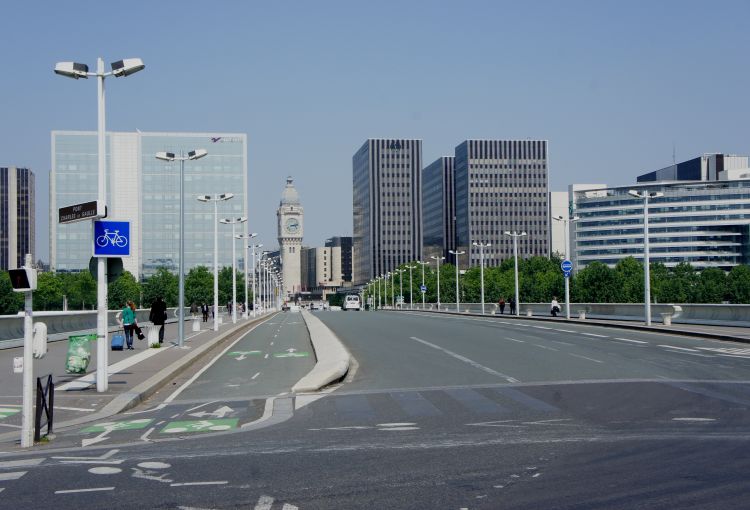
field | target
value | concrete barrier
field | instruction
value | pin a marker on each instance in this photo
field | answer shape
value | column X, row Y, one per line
column 333, row 358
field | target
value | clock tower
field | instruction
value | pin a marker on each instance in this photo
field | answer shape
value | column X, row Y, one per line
column 289, row 216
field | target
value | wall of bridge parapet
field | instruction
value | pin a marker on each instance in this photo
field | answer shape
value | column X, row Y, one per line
column 62, row 324
column 711, row 314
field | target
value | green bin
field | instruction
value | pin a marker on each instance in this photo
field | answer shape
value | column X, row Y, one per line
column 79, row 353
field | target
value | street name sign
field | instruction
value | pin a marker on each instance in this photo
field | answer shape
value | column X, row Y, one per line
column 80, row 212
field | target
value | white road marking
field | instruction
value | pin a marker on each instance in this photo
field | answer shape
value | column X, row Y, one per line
column 629, row 340
column 76, row 409
column 545, row 347
column 2, row 489
column 467, row 360
column 256, row 375
column 540, row 327
column 15, row 475
column 266, row 356
column 514, row 340
column 287, row 506
column 264, row 503
column 565, row 331
column 584, row 357
column 154, row 465
column 694, row 419
column 594, row 334
column 679, row 348
column 91, row 460
column 10, row 425
column 185, row 484
column 104, row 470
column 21, row 463
column 271, row 343
column 190, row 381
column 73, row 491
column 145, row 435
column 560, row 342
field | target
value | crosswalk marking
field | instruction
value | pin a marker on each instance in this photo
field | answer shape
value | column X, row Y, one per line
column 355, row 406
column 15, row 475
column 415, row 404
column 264, row 503
column 527, row 400
column 475, row 401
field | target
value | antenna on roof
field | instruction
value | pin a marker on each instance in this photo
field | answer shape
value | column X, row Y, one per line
column 674, row 154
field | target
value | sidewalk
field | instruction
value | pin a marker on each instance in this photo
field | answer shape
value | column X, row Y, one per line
column 133, row 375
column 728, row 333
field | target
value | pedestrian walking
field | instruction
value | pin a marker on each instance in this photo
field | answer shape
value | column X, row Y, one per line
column 158, row 316
column 512, row 303
column 554, row 307
column 128, row 321
column 193, row 309
column 501, row 303
column 204, row 311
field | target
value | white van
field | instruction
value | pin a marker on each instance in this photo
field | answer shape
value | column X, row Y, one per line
column 352, row 302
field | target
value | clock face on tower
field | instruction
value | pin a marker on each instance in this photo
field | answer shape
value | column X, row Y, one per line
column 292, row 225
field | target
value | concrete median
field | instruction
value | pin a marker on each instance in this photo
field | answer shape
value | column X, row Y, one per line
column 333, row 358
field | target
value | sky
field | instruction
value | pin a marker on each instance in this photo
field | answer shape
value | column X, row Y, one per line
column 616, row 87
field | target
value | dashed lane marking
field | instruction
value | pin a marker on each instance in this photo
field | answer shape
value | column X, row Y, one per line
column 15, row 475
column 585, row 357
column 679, row 348
column 256, row 375
column 95, row 489
column 21, row 463
column 631, row 340
column 515, row 340
column 545, row 347
column 185, row 484
column 467, row 360
column 594, row 334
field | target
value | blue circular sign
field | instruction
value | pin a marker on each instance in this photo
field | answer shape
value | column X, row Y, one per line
column 566, row 266
column 423, row 288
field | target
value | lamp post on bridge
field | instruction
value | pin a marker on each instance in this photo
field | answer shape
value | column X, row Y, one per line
column 515, row 235
column 645, row 196
column 482, row 246
column 421, row 263
column 216, row 198
column 458, row 297
column 247, row 273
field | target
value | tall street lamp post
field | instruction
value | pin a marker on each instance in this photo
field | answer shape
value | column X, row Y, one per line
column 515, row 235
column 645, row 196
column 458, row 297
column 481, row 246
column 170, row 157
column 437, row 260
column 411, row 289
column 76, row 70
column 401, row 285
column 233, row 222
column 247, row 273
column 216, row 198
column 422, row 287
column 255, row 278
column 567, row 222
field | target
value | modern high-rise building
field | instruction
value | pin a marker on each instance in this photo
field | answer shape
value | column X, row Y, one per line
column 439, row 209
column 145, row 191
column 558, row 206
column 290, row 217
column 17, row 218
column 501, row 185
column 345, row 243
column 703, row 217
column 387, row 212
column 321, row 271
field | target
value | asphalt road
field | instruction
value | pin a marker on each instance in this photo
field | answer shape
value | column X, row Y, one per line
column 442, row 412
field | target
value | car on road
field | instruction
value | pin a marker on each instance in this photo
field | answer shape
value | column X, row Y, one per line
column 352, row 302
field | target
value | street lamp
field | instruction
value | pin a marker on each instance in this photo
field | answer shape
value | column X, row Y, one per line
column 233, row 222
column 421, row 289
column 438, row 259
column 216, row 198
column 401, row 285
column 515, row 235
column 481, row 246
column 255, row 293
column 458, row 298
column 567, row 222
column 75, row 70
column 171, row 157
column 645, row 195
column 246, row 236
column 411, row 291
column 380, row 292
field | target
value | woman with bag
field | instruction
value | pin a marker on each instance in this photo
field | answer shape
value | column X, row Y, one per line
column 128, row 321
column 136, row 328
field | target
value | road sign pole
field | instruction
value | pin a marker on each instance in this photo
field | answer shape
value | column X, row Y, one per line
column 102, row 351
column 27, row 427
column 567, row 278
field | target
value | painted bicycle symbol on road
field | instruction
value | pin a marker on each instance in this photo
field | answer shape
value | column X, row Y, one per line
column 112, row 238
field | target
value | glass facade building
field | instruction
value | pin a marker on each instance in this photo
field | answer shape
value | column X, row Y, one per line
column 145, row 191
column 439, row 209
column 501, row 185
column 387, row 206
column 17, row 217
column 706, row 224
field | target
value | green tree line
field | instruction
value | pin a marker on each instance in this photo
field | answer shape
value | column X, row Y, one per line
column 80, row 290
column 540, row 279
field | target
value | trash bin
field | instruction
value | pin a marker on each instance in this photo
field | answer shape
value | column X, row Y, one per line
column 79, row 353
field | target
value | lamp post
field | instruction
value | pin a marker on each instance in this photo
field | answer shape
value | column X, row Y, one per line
column 437, row 260
column 481, row 246
column 401, row 285
column 255, row 279
column 645, row 196
column 76, row 70
column 170, row 157
column 380, row 292
column 246, row 236
column 411, row 291
column 566, row 223
column 233, row 222
column 515, row 235
column 420, row 289
column 458, row 297
column 216, row 198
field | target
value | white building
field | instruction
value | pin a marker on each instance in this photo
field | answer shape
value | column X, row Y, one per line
column 290, row 219
column 558, row 206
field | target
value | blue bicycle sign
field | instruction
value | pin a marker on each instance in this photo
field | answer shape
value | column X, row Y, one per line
column 111, row 238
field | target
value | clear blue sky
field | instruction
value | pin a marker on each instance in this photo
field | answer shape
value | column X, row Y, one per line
column 612, row 85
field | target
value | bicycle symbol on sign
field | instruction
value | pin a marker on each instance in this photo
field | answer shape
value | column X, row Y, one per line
column 111, row 238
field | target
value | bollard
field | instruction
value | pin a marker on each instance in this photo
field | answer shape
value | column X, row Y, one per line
column 666, row 319
column 582, row 314
column 529, row 313
column 196, row 325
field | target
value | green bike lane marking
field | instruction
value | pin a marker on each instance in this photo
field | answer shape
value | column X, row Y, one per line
column 176, row 427
column 291, row 355
column 8, row 411
column 118, row 425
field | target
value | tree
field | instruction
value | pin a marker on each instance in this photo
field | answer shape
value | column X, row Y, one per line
column 631, row 277
column 164, row 284
column 680, row 286
column 80, row 289
column 596, row 283
column 49, row 292
column 11, row 302
column 122, row 290
column 199, row 286
column 225, row 286
column 712, row 286
column 738, row 284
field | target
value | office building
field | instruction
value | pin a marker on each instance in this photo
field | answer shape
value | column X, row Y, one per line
column 702, row 219
column 387, row 196
column 345, row 243
column 321, row 271
column 290, row 215
column 439, row 209
column 501, row 185
column 145, row 191
column 17, row 218
column 558, row 206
